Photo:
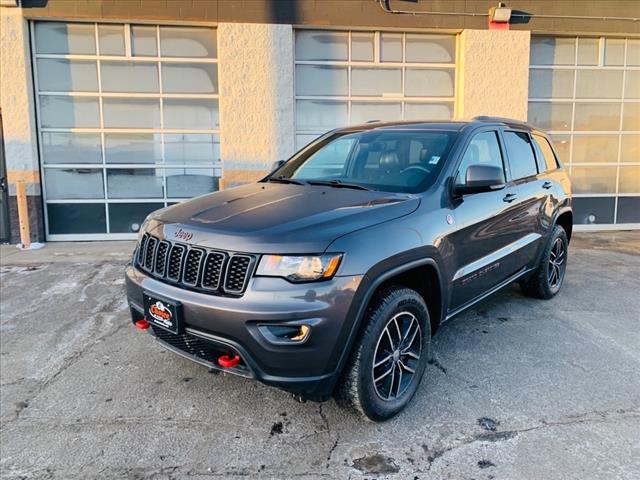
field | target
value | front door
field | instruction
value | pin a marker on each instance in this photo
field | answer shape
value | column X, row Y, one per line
column 485, row 241
column 4, row 205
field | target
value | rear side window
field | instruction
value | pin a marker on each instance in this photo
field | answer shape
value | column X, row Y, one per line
column 521, row 157
column 483, row 149
column 547, row 152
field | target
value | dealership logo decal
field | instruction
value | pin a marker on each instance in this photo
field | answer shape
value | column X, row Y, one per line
column 161, row 313
column 183, row 235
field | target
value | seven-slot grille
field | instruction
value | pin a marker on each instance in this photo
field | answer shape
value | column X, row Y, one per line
column 194, row 267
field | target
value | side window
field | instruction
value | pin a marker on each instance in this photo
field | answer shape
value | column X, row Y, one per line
column 547, row 152
column 521, row 158
column 484, row 149
column 542, row 167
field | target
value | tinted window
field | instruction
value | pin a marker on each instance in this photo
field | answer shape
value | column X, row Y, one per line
column 521, row 158
column 70, row 218
column 547, row 152
column 406, row 161
column 483, row 149
column 328, row 161
column 539, row 157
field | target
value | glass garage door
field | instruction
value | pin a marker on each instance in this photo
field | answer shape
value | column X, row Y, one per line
column 128, row 123
column 586, row 92
column 345, row 78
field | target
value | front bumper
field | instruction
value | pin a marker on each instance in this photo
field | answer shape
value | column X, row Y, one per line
column 230, row 324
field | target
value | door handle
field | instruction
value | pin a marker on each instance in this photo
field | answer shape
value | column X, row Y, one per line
column 547, row 185
column 509, row 197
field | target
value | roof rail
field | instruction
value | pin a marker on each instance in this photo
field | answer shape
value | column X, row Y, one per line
column 488, row 118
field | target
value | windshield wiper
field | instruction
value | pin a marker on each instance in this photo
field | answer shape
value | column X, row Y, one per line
column 282, row 179
column 337, row 184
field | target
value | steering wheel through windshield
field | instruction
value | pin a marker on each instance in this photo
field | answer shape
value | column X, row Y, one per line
column 416, row 167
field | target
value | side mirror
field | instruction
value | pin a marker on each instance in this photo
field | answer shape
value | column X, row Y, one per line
column 481, row 178
column 276, row 165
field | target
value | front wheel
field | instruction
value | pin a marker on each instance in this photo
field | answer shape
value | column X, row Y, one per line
column 390, row 356
column 546, row 281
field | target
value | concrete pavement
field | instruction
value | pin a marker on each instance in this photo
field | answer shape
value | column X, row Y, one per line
column 517, row 388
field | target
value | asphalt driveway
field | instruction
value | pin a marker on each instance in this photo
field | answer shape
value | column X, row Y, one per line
column 517, row 388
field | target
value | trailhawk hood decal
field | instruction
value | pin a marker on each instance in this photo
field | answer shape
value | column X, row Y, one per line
column 272, row 218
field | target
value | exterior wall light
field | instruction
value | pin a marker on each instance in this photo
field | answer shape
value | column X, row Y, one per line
column 499, row 17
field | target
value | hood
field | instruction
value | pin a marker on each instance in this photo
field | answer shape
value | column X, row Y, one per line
column 277, row 218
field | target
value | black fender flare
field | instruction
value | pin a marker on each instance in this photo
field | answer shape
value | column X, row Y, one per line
column 538, row 256
column 363, row 296
column 561, row 211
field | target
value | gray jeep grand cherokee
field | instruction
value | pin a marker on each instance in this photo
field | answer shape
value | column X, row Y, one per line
column 329, row 276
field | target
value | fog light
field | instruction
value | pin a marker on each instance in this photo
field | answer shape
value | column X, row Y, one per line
column 285, row 334
column 303, row 331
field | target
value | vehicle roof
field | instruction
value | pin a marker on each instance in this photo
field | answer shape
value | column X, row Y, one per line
column 453, row 125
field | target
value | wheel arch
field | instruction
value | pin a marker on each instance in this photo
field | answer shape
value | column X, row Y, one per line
column 403, row 274
column 565, row 220
column 425, row 280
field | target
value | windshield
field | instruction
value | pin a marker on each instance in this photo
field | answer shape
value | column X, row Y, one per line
column 404, row 161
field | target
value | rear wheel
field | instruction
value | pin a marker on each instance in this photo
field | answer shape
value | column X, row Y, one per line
column 547, row 279
column 390, row 356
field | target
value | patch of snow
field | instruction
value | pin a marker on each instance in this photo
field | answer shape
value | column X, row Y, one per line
column 32, row 246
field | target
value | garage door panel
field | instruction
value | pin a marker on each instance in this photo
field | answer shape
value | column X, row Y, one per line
column 383, row 76
column 585, row 91
column 113, row 111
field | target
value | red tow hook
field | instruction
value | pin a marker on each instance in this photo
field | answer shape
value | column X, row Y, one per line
column 142, row 324
column 225, row 361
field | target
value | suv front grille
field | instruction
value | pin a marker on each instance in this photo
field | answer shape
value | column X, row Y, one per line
column 194, row 267
column 175, row 262
column 161, row 258
column 237, row 273
column 150, row 251
column 212, row 271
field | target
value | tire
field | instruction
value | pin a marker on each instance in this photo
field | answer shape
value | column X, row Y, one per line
column 547, row 279
column 392, row 315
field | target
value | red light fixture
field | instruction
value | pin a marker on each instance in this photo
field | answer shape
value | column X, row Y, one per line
column 499, row 17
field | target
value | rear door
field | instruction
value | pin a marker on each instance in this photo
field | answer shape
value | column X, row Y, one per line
column 484, row 241
column 533, row 204
column 550, row 172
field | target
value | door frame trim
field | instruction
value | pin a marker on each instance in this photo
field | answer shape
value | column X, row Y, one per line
column 489, row 292
column 495, row 256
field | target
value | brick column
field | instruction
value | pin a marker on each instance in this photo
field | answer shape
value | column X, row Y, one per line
column 493, row 74
column 256, row 99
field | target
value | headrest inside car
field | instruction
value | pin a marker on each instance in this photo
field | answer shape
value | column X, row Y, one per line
column 389, row 159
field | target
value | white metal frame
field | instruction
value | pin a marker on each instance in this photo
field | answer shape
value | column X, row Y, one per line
column 160, row 168
column 402, row 99
column 572, row 133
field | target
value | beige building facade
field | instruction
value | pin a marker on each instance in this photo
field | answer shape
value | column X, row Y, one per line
column 108, row 115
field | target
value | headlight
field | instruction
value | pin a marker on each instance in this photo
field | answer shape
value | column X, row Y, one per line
column 143, row 228
column 300, row 269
